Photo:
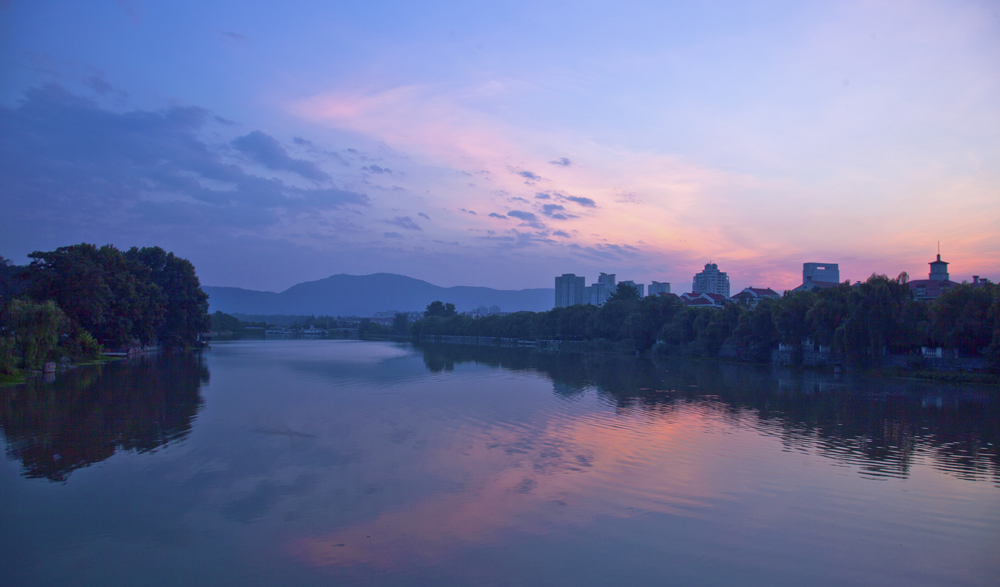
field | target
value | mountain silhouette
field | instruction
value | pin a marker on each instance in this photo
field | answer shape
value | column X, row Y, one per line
column 364, row 295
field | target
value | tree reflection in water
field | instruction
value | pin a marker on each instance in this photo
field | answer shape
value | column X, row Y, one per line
column 877, row 425
column 88, row 414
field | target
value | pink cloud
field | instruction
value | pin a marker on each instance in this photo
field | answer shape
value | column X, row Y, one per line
column 761, row 227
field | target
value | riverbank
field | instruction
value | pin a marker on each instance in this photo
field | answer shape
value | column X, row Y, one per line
column 8, row 380
column 620, row 348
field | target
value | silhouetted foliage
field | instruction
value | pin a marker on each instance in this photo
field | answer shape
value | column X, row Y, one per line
column 441, row 309
column 367, row 329
column 400, row 324
column 34, row 330
column 11, row 281
column 185, row 305
column 625, row 292
column 860, row 323
column 99, row 290
column 144, row 295
column 222, row 322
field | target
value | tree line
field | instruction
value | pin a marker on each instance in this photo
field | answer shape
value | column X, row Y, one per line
column 860, row 322
column 79, row 300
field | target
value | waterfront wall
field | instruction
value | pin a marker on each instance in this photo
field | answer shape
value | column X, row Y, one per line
column 779, row 357
column 935, row 363
column 554, row 345
column 813, row 358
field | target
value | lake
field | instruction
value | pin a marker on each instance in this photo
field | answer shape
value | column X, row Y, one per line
column 321, row 462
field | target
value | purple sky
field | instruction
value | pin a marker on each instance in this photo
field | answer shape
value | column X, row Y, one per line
column 502, row 146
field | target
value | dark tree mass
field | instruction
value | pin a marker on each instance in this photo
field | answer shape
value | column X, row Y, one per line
column 74, row 300
column 860, row 323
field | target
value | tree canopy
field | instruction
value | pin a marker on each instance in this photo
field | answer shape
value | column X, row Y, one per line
column 441, row 309
column 81, row 296
column 860, row 322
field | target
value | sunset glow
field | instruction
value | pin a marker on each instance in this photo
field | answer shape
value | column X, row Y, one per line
column 508, row 145
column 518, row 478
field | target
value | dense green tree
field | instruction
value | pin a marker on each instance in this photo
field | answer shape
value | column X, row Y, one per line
column 790, row 316
column 861, row 322
column 790, row 320
column 828, row 312
column 438, row 308
column 625, row 292
column 875, row 315
column 400, row 324
column 964, row 318
column 574, row 322
column 9, row 359
column 367, row 328
column 222, row 322
column 185, row 304
column 713, row 327
column 650, row 315
column 142, row 296
column 11, row 281
column 993, row 351
column 610, row 318
column 912, row 331
column 34, row 329
column 99, row 290
column 755, row 335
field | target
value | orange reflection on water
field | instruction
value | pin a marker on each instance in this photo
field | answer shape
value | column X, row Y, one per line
column 532, row 480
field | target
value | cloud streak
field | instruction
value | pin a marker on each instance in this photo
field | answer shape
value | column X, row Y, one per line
column 265, row 150
column 404, row 222
column 748, row 149
column 74, row 166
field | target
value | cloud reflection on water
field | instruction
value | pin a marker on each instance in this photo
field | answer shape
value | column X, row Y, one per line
column 556, row 478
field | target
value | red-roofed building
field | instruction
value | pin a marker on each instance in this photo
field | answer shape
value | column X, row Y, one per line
column 704, row 300
column 751, row 296
column 937, row 283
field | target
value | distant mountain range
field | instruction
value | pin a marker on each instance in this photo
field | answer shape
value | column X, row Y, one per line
column 364, row 295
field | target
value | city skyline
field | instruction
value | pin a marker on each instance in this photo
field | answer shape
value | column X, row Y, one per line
column 503, row 145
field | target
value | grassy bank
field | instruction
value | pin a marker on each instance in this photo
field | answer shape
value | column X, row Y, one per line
column 9, row 380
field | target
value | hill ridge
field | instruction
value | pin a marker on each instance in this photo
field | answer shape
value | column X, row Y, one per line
column 343, row 294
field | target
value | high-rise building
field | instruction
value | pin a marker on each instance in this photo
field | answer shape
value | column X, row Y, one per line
column 817, row 276
column 571, row 290
column 602, row 290
column 711, row 280
column 825, row 272
column 657, row 288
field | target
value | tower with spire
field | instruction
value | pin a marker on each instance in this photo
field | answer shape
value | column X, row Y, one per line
column 939, row 270
column 938, row 281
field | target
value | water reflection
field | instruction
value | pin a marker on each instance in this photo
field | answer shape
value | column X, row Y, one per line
column 347, row 462
column 878, row 425
column 85, row 415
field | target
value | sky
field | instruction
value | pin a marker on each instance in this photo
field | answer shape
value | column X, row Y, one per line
column 505, row 144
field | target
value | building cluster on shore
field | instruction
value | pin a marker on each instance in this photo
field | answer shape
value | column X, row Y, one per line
column 710, row 287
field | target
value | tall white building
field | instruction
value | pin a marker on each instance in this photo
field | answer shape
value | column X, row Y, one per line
column 711, row 280
column 657, row 288
column 571, row 290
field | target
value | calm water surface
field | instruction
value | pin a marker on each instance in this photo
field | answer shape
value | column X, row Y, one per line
column 346, row 462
